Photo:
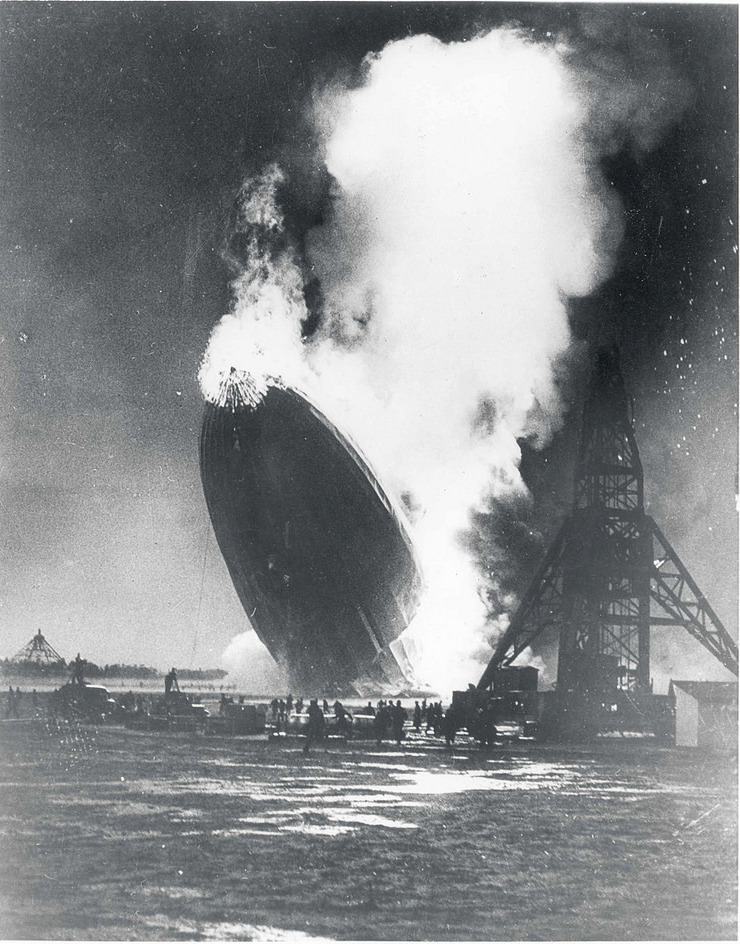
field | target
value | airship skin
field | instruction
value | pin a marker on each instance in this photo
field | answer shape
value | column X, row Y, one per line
column 319, row 557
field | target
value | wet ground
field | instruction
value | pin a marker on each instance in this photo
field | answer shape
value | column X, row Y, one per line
column 107, row 833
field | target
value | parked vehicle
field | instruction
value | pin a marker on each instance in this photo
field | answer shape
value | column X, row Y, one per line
column 177, row 710
column 238, row 719
column 83, row 701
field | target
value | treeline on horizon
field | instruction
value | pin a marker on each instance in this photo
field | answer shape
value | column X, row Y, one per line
column 32, row 669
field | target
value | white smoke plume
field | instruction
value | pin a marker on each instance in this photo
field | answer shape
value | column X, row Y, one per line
column 468, row 206
column 251, row 668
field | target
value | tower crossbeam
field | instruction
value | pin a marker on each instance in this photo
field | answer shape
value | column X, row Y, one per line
column 678, row 595
column 610, row 574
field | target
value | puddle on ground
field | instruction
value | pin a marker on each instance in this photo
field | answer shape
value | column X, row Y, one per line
column 225, row 930
column 435, row 784
column 368, row 819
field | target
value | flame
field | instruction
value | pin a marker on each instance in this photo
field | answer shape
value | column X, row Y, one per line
column 238, row 389
column 260, row 338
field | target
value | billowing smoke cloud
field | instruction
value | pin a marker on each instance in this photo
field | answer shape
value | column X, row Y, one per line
column 467, row 207
column 251, row 668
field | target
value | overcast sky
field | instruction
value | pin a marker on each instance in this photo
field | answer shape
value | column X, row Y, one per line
column 126, row 132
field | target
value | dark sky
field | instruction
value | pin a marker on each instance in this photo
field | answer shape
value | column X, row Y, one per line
column 126, row 131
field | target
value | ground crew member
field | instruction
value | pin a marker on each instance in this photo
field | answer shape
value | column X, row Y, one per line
column 398, row 718
column 77, row 670
column 316, row 725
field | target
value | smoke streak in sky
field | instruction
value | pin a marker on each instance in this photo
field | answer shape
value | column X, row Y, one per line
column 468, row 206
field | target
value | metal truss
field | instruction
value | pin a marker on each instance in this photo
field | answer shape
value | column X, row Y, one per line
column 540, row 609
column 610, row 574
column 615, row 630
column 678, row 596
column 38, row 650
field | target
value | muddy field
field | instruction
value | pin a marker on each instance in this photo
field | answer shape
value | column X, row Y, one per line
column 109, row 833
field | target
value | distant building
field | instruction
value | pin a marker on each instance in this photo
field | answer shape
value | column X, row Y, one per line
column 705, row 714
column 38, row 650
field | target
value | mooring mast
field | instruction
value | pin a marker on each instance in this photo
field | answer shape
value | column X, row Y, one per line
column 38, row 650
column 610, row 574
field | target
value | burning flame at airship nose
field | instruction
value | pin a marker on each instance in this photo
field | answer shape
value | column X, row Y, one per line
column 245, row 357
column 239, row 389
column 258, row 345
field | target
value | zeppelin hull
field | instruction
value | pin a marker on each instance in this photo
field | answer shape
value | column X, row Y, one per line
column 321, row 562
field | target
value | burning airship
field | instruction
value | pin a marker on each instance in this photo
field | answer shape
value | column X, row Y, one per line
column 320, row 558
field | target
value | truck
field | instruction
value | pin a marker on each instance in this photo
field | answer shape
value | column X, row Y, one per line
column 83, row 701
column 505, row 711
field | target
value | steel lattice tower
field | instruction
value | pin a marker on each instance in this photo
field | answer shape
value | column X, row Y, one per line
column 610, row 573
column 38, row 650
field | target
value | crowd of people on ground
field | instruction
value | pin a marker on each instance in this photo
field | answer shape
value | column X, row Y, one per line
column 133, row 703
column 387, row 719
column 16, row 698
